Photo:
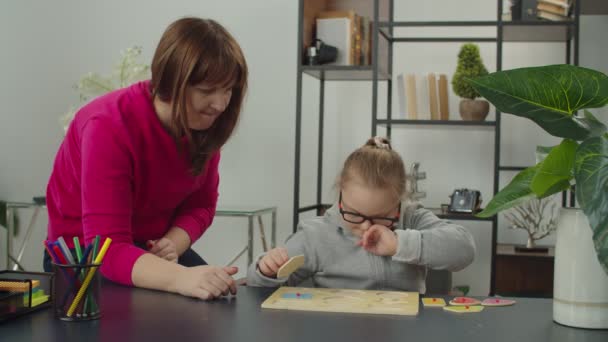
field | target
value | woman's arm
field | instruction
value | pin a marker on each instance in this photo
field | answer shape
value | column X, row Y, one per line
column 197, row 211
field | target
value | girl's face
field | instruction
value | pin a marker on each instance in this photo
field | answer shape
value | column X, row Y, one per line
column 362, row 206
column 205, row 104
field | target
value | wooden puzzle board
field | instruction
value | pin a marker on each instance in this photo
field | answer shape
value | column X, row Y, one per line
column 342, row 300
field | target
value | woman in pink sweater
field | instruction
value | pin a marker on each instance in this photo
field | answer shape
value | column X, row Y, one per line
column 140, row 164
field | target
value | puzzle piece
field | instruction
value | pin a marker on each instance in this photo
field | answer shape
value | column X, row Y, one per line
column 497, row 302
column 433, row 302
column 290, row 266
column 464, row 308
column 464, row 301
column 297, row 295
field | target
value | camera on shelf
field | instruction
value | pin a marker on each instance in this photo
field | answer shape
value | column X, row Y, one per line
column 321, row 53
column 465, row 201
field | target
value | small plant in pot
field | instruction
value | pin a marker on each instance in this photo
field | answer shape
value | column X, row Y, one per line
column 470, row 66
column 553, row 97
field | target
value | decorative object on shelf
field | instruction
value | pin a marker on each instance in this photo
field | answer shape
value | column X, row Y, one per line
column 538, row 217
column 321, row 53
column 550, row 96
column 524, row 10
column 414, row 176
column 127, row 71
column 465, row 201
column 470, row 65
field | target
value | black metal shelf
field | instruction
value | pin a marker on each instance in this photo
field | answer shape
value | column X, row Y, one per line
column 400, row 122
column 384, row 36
column 538, row 31
column 459, row 216
column 513, row 31
column 343, row 72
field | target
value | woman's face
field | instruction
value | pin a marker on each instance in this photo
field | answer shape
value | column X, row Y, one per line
column 360, row 202
column 205, row 104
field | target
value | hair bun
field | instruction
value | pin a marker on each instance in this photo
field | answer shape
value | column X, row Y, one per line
column 379, row 142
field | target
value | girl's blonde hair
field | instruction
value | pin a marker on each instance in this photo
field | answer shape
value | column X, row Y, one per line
column 377, row 165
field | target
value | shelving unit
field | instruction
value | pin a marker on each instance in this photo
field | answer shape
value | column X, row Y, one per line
column 381, row 70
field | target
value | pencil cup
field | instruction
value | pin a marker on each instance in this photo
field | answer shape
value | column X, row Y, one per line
column 76, row 292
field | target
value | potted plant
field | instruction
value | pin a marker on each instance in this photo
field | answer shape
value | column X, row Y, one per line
column 551, row 96
column 469, row 66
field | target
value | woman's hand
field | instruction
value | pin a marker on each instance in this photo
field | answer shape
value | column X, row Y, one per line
column 163, row 248
column 379, row 240
column 205, row 282
column 273, row 260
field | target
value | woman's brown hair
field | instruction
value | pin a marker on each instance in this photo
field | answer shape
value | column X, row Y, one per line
column 377, row 165
column 192, row 51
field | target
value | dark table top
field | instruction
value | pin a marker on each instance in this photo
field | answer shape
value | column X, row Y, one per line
column 143, row 315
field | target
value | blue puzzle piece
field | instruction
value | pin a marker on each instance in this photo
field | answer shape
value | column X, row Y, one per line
column 297, row 295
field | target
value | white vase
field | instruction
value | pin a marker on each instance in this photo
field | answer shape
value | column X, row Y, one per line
column 580, row 284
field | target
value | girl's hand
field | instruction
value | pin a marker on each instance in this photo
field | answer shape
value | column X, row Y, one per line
column 273, row 260
column 205, row 282
column 163, row 248
column 379, row 240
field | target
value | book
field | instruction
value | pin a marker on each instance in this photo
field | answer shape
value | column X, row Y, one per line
column 349, row 48
column 408, row 99
column 336, row 32
column 442, row 90
column 433, row 101
column 551, row 16
column 552, row 8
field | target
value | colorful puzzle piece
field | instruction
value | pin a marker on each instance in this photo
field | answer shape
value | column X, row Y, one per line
column 433, row 302
column 297, row 295
column 464, row 301
column 497, row 302
column 464, row 308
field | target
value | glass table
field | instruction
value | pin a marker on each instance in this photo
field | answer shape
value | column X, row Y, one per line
column 252, row 213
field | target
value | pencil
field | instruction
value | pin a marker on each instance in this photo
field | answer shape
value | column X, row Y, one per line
column 89, row 277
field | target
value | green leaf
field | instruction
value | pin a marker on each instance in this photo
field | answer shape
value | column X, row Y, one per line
column 542, row 152
column 517, row 192
column 549, row 96
column 591, row 174
column 555, row 172
column 595, row 127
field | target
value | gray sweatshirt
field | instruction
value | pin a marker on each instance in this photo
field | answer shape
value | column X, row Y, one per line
column 333, row 260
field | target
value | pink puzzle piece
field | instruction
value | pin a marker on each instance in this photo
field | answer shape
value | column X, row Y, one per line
column 497, row 302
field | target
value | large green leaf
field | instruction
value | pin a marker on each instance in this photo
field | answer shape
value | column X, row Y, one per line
column 591, row 174
column 517, row 192
column 549, row 96
column 556, row 170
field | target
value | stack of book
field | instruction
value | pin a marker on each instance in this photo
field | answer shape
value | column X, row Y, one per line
column 554, row 10
column 349, row 33
column 423, row 97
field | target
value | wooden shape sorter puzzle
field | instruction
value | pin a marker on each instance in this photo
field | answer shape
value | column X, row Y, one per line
column 343, row 300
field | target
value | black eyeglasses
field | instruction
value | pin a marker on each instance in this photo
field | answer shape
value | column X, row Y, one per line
column 357, row 218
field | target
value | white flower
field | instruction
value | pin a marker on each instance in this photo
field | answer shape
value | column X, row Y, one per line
column 125, row 73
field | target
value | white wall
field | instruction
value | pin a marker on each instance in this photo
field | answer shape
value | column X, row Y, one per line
column 48, row 46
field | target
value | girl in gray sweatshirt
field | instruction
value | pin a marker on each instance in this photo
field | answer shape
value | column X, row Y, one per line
column 371, row 238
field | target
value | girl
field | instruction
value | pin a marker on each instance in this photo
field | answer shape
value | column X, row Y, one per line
column 140, row 164
column 370, row 239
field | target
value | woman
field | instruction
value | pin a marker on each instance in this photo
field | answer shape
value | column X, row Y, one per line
column 140, row 164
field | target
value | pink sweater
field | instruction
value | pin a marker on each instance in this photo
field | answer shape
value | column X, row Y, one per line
column 119, row 174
